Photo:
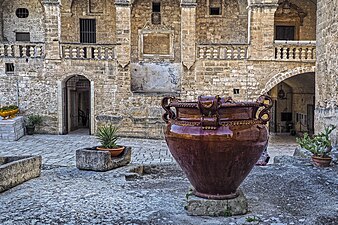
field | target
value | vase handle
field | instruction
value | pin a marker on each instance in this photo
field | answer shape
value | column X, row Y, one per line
column 266, row 103
column 169, row 113
column 208, row 107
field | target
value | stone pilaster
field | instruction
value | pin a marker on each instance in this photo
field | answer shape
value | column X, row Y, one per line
column 123, row 31
column 261, row 29
column 52, row 28
column 188, row 32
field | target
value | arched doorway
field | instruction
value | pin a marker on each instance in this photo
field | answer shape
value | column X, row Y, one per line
column 293, row 110
column 76, row 105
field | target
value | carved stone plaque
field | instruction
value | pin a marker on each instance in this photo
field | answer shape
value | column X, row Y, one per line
column 156, row 43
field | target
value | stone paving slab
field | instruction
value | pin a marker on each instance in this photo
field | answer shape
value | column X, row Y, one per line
column 60, row 149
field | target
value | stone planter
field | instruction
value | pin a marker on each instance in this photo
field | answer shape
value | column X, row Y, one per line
column 216, row 141
column 98, row 160
column 12, row 129
column 18, row 169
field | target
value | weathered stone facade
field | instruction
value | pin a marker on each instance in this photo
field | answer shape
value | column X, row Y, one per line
column 147, row 49
column 327, row 66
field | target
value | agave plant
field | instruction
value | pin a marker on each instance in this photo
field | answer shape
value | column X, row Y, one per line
column 106, row 134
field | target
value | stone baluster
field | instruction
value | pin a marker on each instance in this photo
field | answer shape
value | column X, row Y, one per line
column 285, row 53
column 201, row 53
column 314, row 52
column 96, row 53
column 17, row 50
column 10, row 51
column 110, row 54
column 74, row 53
column 39, row 51
column 32, row 50
column 67, row 52
column 297, row 53
column 23, row 51
column 309, row 53
column 208, row 53
column 242, row 54
column 81, row 53
column 229, row 52
column 215, row 53
column 303, row 54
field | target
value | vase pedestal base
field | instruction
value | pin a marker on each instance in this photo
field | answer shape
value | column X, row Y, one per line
column 197, row 206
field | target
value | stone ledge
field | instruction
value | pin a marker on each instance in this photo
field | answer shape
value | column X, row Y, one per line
column 18, row 169
column 91, row 159
column 208, row 207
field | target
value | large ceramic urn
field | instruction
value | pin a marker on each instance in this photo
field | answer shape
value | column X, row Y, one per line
column 216, row 141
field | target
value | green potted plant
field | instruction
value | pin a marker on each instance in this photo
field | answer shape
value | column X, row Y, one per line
column 319, row 145
column 31, row 122
column 107, row 136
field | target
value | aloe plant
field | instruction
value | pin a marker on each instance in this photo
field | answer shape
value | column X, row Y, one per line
column 320, row 144
column 106, row 134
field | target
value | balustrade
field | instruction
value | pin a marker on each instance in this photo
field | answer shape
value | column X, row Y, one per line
column 222, row 52
column 83, row 51
column 22, row 50
column 295, row 50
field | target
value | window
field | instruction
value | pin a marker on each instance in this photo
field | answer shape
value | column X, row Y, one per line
column 9, row 68
column 87, row 30
column 22, row 13
column 285, row 33
column 236, row 91
column 215, row 11
column 22, row 36
column 156, row 13
column 156, row 7
column 215, row 7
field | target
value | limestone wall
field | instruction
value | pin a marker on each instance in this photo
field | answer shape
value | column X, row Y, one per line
column 229, row 27
column 34, row 23
column 327, row 66
column 101, row 10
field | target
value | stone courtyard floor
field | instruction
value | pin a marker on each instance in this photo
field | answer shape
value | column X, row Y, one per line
column 292, row 191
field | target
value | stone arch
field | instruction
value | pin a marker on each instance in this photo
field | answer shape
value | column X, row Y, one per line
column 279, row 77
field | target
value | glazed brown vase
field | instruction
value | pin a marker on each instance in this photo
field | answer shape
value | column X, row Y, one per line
column 216, row 141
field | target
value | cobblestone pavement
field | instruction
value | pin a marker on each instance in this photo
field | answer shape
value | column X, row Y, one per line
column 59, row 150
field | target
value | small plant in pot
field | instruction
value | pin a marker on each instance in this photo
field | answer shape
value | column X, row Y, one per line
column 107, row 136
column 319, row 145
column 31, row 122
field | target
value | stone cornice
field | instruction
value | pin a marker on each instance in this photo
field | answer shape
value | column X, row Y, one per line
column 51, row 2
column 124, row 3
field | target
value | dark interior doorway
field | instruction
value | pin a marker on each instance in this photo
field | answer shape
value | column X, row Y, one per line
column 77, row 104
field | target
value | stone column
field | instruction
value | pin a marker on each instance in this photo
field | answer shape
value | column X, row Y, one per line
column 261, row 29
column 123, row 31
column 52, row 28
column 188, row 32
column 326, row 109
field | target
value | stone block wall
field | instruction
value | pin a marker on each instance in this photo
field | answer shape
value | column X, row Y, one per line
column 327, row 66
column 101, row 10
column 229, row 27
column 34, row 23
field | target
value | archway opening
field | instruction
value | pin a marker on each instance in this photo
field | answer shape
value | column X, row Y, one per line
column 76, row 111
column 293, row 110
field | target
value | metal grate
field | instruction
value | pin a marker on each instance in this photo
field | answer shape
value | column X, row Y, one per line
column 9, row 68
column 87, row 30
column 22, row 13
column 22, row 36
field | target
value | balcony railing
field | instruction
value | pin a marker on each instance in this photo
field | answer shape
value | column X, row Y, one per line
column 22, row 50
column 295, row 50
column 85, row 51
column 222, row 51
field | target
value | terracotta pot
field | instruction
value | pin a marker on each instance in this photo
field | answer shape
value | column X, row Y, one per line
column 321, row 161
column 9, row 114
column 216, row 141
column 113, row 151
